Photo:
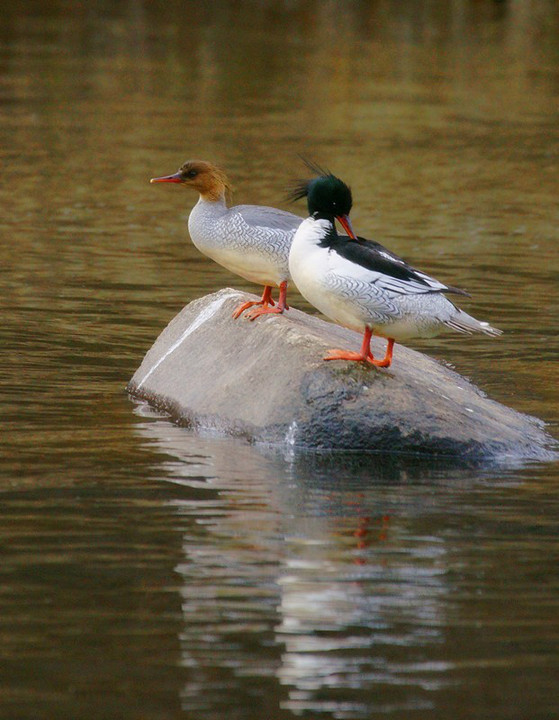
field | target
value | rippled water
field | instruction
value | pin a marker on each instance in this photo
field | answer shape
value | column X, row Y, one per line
column 147, row 573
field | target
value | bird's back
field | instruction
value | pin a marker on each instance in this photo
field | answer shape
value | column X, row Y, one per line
column 262, row 216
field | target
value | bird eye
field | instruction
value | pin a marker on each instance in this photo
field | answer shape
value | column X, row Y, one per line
column 190, row 173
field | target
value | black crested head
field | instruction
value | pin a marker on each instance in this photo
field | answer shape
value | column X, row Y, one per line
column 327, row 196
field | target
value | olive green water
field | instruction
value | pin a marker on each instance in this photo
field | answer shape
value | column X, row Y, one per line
column 149, row 574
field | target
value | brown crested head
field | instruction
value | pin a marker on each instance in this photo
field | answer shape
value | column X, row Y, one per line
column 204, row 177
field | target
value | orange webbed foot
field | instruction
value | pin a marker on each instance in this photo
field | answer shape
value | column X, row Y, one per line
column 245, row 306
column 264, row 301
column 385, row 362
column 258, row 311
column 364, row 356
column 346, row 355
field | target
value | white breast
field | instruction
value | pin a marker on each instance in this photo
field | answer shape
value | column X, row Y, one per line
column 313, row 268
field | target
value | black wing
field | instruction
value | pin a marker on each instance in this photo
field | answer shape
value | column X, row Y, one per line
column 375, row 257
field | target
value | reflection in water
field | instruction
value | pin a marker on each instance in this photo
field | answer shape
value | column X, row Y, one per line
column 359, row 602
column 310, row 574
column 231, row 546
column 359, row 627
column 344, row 586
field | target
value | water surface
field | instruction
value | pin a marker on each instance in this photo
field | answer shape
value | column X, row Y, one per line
column 147, row 573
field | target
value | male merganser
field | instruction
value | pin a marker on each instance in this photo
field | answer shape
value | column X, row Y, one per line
column 252, row 241
column 360, row 284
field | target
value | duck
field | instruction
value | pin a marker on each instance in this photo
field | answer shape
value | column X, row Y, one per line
column 361, row 285
column 252, row 241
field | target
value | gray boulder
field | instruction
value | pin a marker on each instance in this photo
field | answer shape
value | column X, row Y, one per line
column 266, row 381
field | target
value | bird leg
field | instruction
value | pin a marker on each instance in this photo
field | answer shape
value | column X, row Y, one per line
column 265, row 310
column 365, row 354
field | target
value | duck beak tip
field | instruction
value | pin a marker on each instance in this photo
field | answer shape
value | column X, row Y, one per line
column 176, row 178
column 345, row 222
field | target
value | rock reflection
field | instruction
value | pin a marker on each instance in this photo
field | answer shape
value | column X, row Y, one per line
column 306, row 577
column 231, row 541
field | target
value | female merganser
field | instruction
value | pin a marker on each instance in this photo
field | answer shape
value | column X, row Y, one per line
column 252, row 241
column 360, row 284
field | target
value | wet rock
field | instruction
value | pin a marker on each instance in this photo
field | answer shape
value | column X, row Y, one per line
column 266, row 381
